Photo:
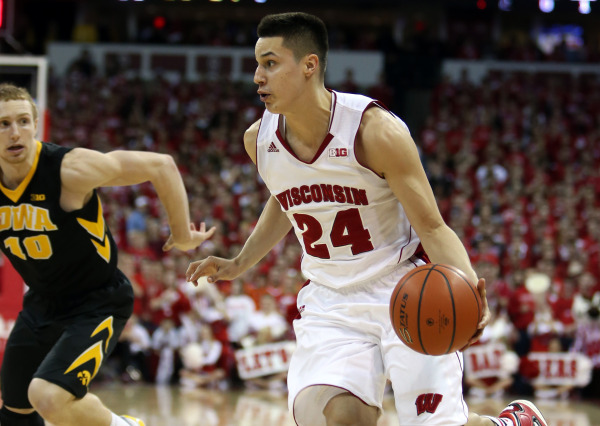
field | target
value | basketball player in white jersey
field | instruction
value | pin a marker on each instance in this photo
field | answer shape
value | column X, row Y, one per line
column 345, row 174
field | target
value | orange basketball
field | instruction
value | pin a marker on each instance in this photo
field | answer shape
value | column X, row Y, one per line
column 435, row 309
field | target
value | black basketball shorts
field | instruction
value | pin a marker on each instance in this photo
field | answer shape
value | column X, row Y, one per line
column 65, row 349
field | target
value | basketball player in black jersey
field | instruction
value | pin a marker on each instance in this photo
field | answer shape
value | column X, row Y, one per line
column 53, row 231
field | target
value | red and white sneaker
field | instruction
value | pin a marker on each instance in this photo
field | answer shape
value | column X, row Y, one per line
column 523, row 413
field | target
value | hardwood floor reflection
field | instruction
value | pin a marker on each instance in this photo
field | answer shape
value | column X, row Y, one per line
column 170, row 406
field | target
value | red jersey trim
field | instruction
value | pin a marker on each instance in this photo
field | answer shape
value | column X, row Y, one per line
column 323, row 145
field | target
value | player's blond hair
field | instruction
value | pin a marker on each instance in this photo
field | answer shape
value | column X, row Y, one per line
column 10, row 92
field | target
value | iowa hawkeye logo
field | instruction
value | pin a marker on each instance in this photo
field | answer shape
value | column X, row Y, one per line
column 94, row 353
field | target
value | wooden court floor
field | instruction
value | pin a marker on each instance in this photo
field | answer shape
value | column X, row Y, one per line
column 170, row 406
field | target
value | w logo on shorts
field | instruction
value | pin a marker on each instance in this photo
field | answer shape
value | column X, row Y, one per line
column 428, row 402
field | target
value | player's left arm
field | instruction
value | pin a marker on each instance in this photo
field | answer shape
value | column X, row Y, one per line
column 83, row 170
column 387, row 148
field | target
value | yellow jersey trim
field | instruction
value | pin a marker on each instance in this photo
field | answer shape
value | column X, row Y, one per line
column 15, row 194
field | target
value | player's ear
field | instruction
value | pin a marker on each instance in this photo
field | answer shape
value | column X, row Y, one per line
column 311, row 64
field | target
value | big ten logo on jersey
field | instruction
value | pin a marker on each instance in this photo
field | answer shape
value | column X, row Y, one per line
column 338, row 152
column 38, row 197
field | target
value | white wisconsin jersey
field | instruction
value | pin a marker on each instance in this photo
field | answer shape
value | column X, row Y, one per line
column 347, row 219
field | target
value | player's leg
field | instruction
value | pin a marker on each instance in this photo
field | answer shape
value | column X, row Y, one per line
column 428, row 390
column 23, row 354
column 59, row 390
column 347, row 409
column 47, row 396
column 336, row 372
column 59, row 406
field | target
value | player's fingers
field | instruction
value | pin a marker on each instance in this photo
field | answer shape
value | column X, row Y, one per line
column 168, row 245
column 473, row 339
column 204, row 268
column 210, row 232
column 191, row 270
column 485, row 318
column 481, row 287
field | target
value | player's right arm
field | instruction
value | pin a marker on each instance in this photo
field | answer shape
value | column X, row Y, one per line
column 83, row 170
column 271, row 227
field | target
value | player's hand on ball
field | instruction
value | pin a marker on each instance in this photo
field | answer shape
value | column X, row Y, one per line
column 214, row 269
column 485, row 317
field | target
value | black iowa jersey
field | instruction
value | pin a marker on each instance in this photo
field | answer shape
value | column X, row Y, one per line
column 57, row 253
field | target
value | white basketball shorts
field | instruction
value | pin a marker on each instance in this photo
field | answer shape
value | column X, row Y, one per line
column 345, row 343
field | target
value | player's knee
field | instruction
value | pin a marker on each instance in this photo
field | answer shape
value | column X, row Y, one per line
column 19, row 417
column 48, row 399
column 347, row 410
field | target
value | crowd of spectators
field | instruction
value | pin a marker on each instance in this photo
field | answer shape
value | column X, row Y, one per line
column 513, row 162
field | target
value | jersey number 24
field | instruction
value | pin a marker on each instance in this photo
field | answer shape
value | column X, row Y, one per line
column 347, row 230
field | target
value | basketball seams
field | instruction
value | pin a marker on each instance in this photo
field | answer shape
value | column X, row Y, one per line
column 397, row 292
column 419, row 309
column 475, row 294
column 453, row 305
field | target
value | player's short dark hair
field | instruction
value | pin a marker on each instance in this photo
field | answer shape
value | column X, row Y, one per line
column 10, row 92
column 302, row 33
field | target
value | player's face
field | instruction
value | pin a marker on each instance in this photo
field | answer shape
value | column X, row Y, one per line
column 279, row 76
column 17, row 130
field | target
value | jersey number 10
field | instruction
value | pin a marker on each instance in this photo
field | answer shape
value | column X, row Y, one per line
column 37, row 247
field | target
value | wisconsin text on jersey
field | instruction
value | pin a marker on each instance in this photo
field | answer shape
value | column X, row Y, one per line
column 322, row 193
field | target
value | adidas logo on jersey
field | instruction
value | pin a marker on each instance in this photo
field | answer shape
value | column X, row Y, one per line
column 272, row 148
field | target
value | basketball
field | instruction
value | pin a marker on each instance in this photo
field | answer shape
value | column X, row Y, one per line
column 435, row 309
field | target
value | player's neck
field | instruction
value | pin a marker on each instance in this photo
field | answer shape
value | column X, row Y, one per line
column 309, row 124
column 11, row 175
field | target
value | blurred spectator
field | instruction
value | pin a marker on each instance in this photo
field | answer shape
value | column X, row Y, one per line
column 521, row 311
column 200, row 359
column 265, row 325
column 544, row 328
column 490, row 364
column 382, row 91
column 587, row 342
column 587, row 297
column 550, row 391
column 166, row 340
column 83, row 65
column 127, row 265
column 169, row 302
column 349, row 84
column 239, row 307
column 136, row 220
column 133, row 350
